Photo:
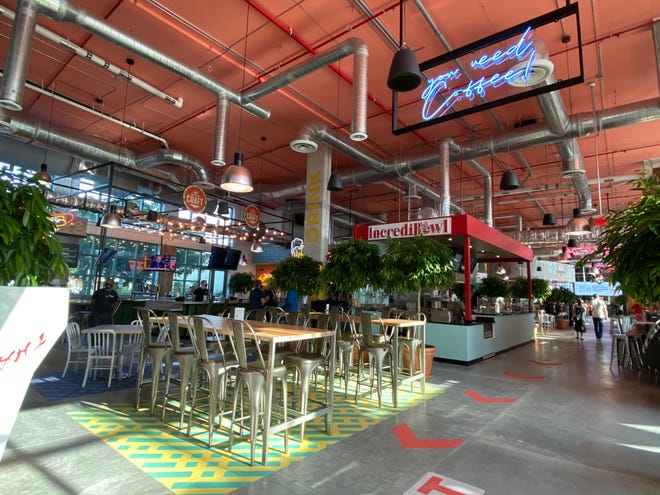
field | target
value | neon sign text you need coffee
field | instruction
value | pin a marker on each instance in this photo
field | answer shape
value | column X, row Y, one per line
column 522, row 51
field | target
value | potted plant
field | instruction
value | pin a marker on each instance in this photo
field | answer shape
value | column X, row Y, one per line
column 625, row 243
column 32, row 317
column 564, row 297
column 417, row 263
column 299, row 273
column 414, row 264
column 493, row 287
column 540, row 288
column 240, row 282
column 352, row 265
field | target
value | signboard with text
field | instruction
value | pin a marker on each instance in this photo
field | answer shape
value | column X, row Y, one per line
column 252, row 216
column 401, row 230
column 194, row 199
column 502, row 68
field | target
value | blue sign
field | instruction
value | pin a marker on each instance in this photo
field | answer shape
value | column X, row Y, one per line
column 591, row 288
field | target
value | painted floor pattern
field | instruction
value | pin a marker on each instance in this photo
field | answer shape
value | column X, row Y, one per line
column 186, row 466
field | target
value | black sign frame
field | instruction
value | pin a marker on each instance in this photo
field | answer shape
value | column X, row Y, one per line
column 550, row 17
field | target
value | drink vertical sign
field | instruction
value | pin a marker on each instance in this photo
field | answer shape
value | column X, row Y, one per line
column 317, row 204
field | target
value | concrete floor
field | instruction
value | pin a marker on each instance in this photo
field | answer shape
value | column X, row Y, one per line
column 581, row 429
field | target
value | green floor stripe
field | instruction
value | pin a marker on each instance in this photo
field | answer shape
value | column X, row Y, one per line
column 187, row 467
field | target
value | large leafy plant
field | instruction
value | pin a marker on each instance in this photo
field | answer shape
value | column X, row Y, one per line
column 629, row 243
column 241, row 282
column 492, row 287
column 299, row 273
column 540, row 288
column 30, row 254
column 353, row 265
column 414, row 264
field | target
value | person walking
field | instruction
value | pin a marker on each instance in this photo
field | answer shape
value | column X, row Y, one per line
column 579, row 319
column 599, row 315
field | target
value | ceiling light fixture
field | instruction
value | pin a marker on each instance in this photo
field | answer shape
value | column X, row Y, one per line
column 43, row 176
column 112, row 219
column 500, row 269
column 243, row 261
column 404, row 72
column 335, row 183
column 509, row 181
column 237, row 178
column 578, row 225
column 549, row 219
column 257, row 247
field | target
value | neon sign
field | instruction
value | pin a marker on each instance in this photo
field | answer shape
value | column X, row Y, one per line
column 520, row 51
column 495, row 62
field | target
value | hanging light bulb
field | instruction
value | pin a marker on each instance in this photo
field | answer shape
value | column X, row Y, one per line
column 500, row 269
column 404, row 74
column 549, row 219
column 243, row 261
column 335, row 182
column 509, row 181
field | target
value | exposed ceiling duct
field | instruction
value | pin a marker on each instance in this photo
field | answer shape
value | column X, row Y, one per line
column 32, row 131
column 63, row 11
column 354, row 46
column 580, row 125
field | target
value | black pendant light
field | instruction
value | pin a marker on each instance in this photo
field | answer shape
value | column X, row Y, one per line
column 404, row 72
column 509, row 181
column 549, row 219
column 335, row 183
column 572, row 243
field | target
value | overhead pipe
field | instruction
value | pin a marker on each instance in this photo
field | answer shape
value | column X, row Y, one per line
column 33, row 132
column 18, row 55
column 554, row 112
column 86, row 54
column 352, row 46
column 445, row 198
column 219, row 144
column 581, row 125
column 56, row 96
column 63, row 11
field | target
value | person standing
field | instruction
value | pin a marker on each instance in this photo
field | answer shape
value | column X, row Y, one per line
column 290, row 303
column 255, row 301
column 579, row 319
column 201, row 293
column 268, row 297
column 104, row 303
column 599, row 315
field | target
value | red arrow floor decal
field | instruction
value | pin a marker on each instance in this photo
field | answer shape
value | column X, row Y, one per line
column 409, row 440
column 544, row 363
column 480, row 398
column 523, row 377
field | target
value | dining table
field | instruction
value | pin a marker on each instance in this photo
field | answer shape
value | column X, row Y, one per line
column 274, row 334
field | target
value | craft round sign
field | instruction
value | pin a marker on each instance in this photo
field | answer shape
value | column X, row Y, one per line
column 194, row 198
column 252, row 216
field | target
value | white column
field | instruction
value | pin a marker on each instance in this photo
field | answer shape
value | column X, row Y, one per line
column 317, row 203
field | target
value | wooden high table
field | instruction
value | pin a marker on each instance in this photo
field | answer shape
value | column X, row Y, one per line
column 281, row 334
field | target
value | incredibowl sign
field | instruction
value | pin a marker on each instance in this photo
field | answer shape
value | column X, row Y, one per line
column 194, row 198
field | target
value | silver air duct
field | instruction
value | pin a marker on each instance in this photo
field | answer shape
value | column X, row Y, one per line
column 353, row 46
column 61, row 10
column 20, row 44
column 68, row 141
column 220, row 131
column 581, row 125
column 445, row 199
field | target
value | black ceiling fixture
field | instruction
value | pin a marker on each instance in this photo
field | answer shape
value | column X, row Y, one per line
column 549, row 219
column 404, row 72
column 509, row 181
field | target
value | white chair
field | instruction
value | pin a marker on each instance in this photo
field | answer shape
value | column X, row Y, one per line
column 76, row 351
column 101, row 345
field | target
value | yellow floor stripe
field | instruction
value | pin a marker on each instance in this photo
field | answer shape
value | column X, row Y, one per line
column 186, row 466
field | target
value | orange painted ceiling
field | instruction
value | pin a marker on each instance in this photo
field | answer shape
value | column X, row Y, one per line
column 241, row 43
